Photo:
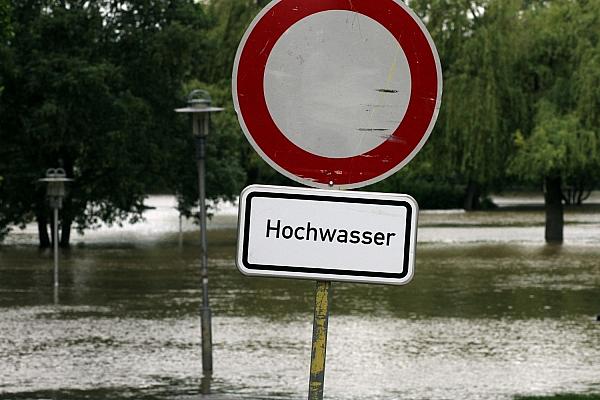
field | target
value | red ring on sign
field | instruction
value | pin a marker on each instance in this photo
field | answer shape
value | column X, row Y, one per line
column 415, row 125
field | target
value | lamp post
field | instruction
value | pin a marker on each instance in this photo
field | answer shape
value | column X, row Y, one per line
column 55, row 178
column 199, row 107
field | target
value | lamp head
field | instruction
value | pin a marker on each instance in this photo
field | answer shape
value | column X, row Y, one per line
column 55, row 178
column 199, row 99
column 199, row 102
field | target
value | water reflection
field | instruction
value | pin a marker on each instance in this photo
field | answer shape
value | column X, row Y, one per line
column 205, row 384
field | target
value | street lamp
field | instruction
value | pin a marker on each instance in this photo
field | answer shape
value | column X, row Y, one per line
column 199, row 107
column 55, row 178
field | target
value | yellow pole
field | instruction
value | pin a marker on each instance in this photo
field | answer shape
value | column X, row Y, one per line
column 319, row 341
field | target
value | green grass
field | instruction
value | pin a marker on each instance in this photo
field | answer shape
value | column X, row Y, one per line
column 562, row 397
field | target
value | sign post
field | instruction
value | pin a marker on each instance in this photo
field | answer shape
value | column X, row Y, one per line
column 333, row 94
column 319, row 341
column 326, row 235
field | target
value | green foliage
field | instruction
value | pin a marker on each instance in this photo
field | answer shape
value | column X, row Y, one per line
column 6, row 33
column 420, row 180
column 449, row 22
column 484, row 101
column 562, row 77
column 230, row 18
column 505, row 63
column 483, row 105
column 558, row 146
column 5, row 20
column 92, row 88
column 587, row 82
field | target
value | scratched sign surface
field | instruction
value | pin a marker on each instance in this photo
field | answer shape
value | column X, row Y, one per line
column 337, row 93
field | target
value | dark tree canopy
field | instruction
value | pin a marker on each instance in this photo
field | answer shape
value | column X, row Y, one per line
column 91, row 87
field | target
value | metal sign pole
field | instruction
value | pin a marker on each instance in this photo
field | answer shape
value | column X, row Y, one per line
column 207, row 364
column 319, row 341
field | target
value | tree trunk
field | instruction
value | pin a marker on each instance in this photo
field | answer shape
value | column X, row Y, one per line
column 472, row 194
column 66, row 215
column 51, row 226
column 65, row 232
column 554, row 210
column 44, row 238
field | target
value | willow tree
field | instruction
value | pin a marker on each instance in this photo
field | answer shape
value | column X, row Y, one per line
column 230, row 18
column 483, row 100
column 561, row 148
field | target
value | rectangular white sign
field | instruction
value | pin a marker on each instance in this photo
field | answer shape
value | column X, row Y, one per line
column 327, row 234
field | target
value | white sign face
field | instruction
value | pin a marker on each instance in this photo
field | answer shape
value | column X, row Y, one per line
column 327, row 235
column 325, row 76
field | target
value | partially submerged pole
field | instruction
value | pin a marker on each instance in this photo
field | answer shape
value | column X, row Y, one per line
column 55, row 178
column 55, row 239
column 319, row 341
column 207, row 363
column 199, row 107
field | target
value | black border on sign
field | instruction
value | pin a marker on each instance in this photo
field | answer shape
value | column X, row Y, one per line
column 327, row 271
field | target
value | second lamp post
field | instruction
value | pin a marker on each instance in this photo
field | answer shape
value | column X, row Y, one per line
column 56, row 179
column 199, row 107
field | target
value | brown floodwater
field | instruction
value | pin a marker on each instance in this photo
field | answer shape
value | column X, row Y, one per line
column 492, row 312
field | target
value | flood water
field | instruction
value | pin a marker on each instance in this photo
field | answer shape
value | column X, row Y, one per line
column 492, row 313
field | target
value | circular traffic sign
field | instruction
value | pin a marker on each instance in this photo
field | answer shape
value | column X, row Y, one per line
column 337, row 93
